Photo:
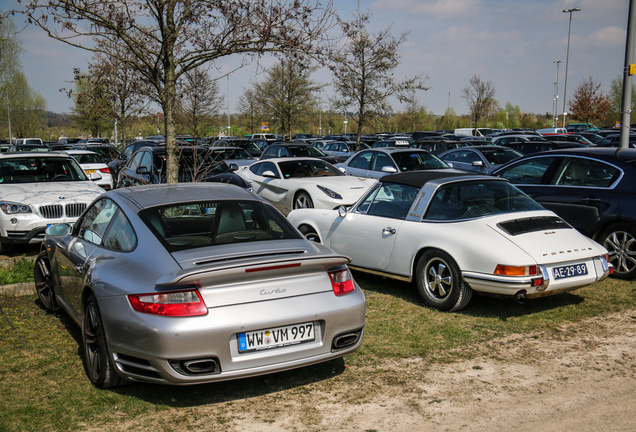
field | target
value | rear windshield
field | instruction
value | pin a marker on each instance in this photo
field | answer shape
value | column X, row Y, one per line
column 477, row 198
column 199, row 224
column 88, row 158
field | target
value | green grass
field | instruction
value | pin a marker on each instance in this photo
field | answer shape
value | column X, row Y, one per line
column 44, row 388
column 20, row 271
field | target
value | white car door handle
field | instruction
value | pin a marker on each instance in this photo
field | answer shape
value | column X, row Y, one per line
column 388, row 230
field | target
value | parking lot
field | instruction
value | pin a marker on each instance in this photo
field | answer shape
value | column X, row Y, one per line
column 579, row 375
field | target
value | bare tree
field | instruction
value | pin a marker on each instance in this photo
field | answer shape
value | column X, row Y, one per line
column 167, row 38
column 287, row 94
column 363, row 72
column 480, row 98
column 248, row 109
column 27, row 106
column 128, row 93
column 589, row 102
column 92, row 106
column 199, row 99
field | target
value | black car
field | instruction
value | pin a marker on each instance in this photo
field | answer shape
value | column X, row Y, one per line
column 116, row 164
column 196, row 164
column 295, row 149
column 532, row 147
column 592, row 189
column 107, row 152
column 246, row 144
column 437, row 147
column 28, row 148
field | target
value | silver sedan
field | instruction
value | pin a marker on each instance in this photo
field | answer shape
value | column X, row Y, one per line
column 194, row 283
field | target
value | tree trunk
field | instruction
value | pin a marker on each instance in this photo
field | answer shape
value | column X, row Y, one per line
column 172, row 161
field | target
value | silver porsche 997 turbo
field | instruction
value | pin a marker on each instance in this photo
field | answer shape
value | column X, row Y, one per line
column 194, row 283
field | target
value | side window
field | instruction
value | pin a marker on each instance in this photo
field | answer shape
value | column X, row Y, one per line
column 452, row 157
column 586, row 172
column 146, row 161
column 96, row 220
column 532, row 171
column 120, row 235
column 127, row 152
column 393, row 201
column 133, row 162
column 468, row 156
column 381, row 160
column 362, row 161
column 259, row 169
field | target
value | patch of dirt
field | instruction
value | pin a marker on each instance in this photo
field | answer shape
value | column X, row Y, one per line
column 582, row 378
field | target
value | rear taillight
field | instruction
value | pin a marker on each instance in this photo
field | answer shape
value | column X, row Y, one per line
column 104, row 170
column 341, row 281
column 507, row 270
column 176, row 303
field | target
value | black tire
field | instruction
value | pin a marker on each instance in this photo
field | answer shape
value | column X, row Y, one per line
column 44, row 282
column 620, row 241
column 5, row 248
column 310, row 233
column 439, row 282
column 303, row 200
column 97, row 362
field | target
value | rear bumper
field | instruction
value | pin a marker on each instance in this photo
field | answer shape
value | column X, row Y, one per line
column 151, row 346
column 537, row 286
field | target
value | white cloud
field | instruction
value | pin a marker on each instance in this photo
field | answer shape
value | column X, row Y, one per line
column 442, row 9
column 608, row 37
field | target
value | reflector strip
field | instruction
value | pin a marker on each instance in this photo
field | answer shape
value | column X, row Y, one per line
column 259, row 269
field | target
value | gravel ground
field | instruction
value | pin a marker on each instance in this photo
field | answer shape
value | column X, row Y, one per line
column 582, row 379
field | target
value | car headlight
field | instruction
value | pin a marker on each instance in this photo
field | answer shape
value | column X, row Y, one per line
column 14, row 208
column 329, row 192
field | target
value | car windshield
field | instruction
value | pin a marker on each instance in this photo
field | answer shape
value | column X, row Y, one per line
column 233, row 153
column 477, row 198
column 106, row 152
column 307, row 150
column 88, row 158
column 39, row 169
column 197, row 163
column 417, row 160
column 499, row 156
column 247, row 145
column 308, row 168
column 33, row 148
column 198, row 224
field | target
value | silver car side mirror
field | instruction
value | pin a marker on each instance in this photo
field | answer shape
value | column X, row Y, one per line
column 342, row 211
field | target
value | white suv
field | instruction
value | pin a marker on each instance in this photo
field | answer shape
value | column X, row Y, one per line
column 38, row 190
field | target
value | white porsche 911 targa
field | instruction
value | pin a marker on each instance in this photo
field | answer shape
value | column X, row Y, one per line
column 454, row 234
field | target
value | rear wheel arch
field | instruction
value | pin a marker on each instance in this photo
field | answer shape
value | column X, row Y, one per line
column 307, row 230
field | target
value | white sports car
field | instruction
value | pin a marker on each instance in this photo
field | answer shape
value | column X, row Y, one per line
column 294, row 182
column 456, row 233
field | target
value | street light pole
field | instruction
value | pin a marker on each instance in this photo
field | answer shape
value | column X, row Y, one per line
column 567, row 61
column 555, row 121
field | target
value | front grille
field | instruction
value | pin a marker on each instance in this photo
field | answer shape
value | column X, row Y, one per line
column 51, row 211
column 57, row 211
column 74, row 210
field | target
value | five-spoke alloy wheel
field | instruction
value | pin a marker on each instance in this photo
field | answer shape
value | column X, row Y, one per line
column 439, row 282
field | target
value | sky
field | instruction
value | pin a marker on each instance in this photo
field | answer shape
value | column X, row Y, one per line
column 512, row 43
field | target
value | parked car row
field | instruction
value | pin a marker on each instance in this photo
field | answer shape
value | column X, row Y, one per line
column 220, row 262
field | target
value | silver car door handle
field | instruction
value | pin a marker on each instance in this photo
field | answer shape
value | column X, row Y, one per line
column 388, row 230
column 591, row 200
